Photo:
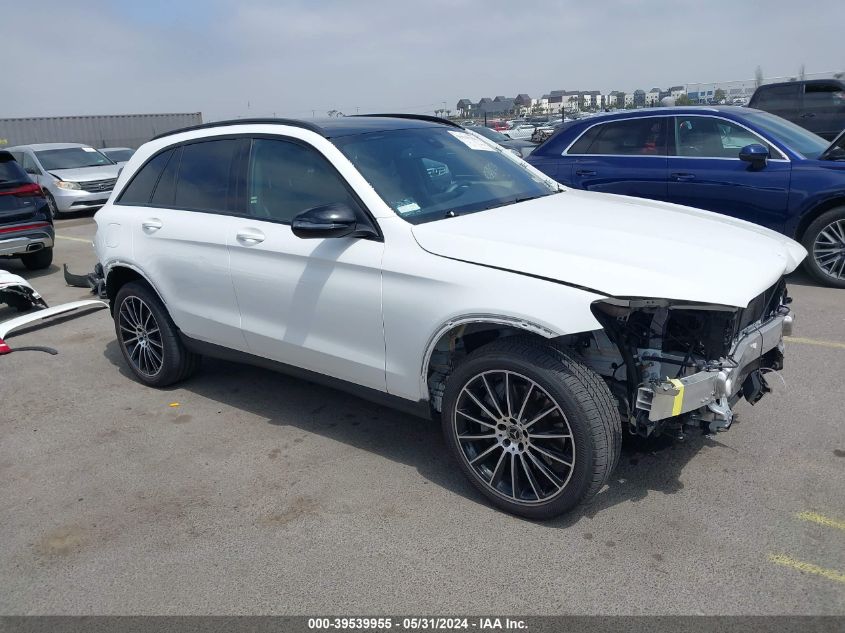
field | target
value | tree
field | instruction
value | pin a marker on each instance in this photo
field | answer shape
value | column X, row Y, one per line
column 683, row 100
column 719, row 95
column 335, row 113
column 758, row 77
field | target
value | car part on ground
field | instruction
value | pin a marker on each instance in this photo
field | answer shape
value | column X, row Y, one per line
column 94, row 281
column 16, row 292
column 422, row 266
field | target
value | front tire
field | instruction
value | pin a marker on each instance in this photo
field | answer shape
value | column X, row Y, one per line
column 38, row 260
column 148, row 338
column 825, row 243
column 536, row 432
column 51, row 204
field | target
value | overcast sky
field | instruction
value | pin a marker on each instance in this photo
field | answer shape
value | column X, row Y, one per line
column 291, row 57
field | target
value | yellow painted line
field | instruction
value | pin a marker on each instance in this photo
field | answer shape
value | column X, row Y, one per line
column 813, row 341
column 88, row 241
column 786, row 561
column 815, row 517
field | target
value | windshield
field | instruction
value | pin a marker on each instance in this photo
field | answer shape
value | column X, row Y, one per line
column 486, row 132
column 431, row 173
column 119, row 155
column 71, row 158
column 793, row 136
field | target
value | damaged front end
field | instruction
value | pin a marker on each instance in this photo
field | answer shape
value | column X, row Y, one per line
column 674, row 364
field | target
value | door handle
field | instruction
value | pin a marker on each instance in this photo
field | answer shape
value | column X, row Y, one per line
column 808, row 115
column 250, row 237
column 585, row 172
column 152, row 225
column 682, row 177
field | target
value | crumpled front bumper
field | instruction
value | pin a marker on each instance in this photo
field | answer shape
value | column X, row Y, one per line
column 717, row 388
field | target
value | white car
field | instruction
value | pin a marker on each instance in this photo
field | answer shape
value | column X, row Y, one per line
column 415, row 263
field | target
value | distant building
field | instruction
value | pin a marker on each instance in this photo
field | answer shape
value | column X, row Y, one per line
column 639, row 98
column 652, row 97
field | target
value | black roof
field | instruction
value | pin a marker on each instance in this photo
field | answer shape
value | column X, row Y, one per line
column 335, row 127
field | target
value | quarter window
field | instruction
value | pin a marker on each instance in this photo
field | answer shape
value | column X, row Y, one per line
column 709, row 137
column 287, row 178
column 632, row 137
column 205, row 173
column 140, row 189
column 165, row 190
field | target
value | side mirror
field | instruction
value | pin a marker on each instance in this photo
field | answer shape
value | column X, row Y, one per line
column 755, row 154
column 33, row 171
column 330, row 220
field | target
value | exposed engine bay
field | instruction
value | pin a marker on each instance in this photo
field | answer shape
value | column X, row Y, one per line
column 674, row 364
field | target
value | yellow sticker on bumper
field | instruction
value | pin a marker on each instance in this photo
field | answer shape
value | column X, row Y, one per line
column 678, row 402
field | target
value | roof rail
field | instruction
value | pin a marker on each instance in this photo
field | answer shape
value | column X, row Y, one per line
column 419, row 117
column 203, row 126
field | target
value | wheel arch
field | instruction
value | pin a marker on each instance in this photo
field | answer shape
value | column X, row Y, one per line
column 468, row 332
column 815, row 211
column 122, row 273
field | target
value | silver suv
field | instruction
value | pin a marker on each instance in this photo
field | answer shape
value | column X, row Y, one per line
column 74, row 177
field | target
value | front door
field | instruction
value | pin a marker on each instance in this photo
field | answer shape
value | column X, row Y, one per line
column 310, row 303
column 706, row 172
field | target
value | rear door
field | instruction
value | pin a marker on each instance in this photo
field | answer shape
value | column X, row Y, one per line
column 705, row 171
column 823, row 109
column 182, row 206
column 626, row 157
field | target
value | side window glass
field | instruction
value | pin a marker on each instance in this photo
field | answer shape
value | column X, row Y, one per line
column 287, row 178
column 632, row 137
column 165, row 190
column 708, row 137
column 582, row 145
column 140, row 188
column 29, row 165
column 823, row 96
column 205, row 171
column 778, row 98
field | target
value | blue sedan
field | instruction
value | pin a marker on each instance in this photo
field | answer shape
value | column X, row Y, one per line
column 741, row 162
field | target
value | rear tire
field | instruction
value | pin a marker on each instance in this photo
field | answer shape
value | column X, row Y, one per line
column 824, row 240
column 38, row 260
column 548, row 435
column 148, row 338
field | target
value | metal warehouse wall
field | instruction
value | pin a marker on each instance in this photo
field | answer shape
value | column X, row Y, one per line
column 121, row 130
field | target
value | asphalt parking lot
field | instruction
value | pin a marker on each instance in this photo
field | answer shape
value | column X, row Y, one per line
column 245, row 491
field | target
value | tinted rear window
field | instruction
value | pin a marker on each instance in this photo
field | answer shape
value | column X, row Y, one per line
column 140, row 190
column 205, row 172
column 10, row 171
column 639, row 137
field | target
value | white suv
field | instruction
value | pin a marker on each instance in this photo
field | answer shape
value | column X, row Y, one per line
column 415, row 263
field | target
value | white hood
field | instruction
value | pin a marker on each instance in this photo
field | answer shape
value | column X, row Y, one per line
column 621, row 246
